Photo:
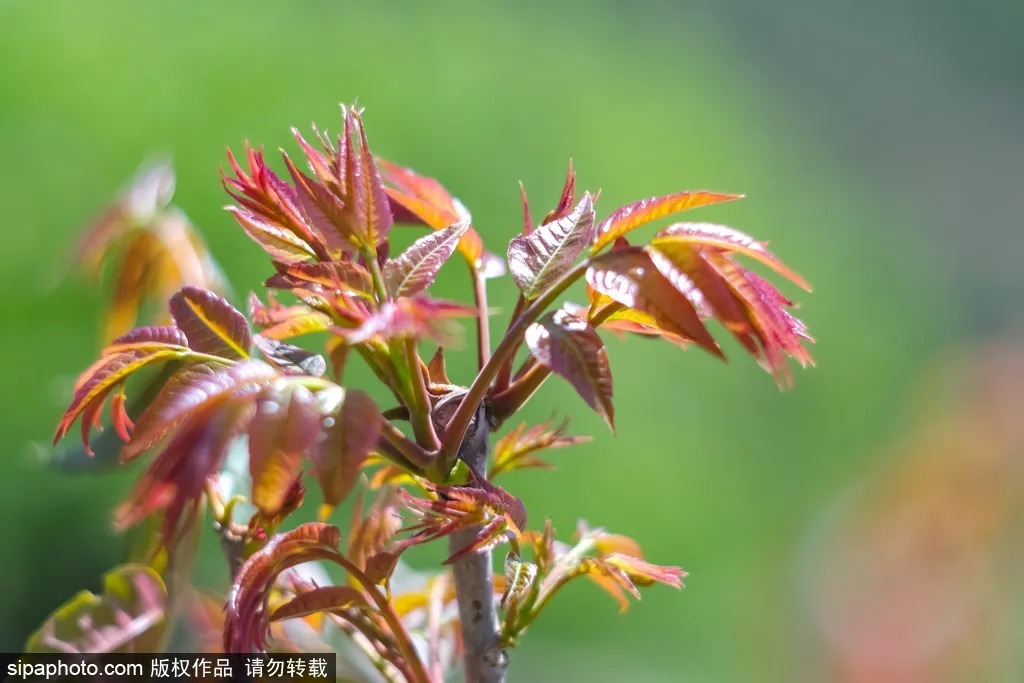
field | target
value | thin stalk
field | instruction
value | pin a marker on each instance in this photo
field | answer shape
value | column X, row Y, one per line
column 459, row 422
column 483, row 325
column 415, row 458
column 505, row 374
column 391, row 618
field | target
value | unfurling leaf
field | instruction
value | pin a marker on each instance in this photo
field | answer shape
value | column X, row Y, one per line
column 130, row 616
column 632, row 216
column 518, row 577
column 496, row 511
column 285, row 427
column 414, row 271
column 629, row 277
column 698, row 258
column 247, row 621
column 267, row 200
column 516, row 449
column 352, row 431
column 212, row 325
column 570, row 347
column 537, row 260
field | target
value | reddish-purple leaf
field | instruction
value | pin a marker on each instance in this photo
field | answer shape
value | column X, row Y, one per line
column 321, row 599
column 628, row 276
column 163, row 335
column 537, row 260
column 723, row 238
column 324, row 210
column 353, row 430
column 211, row 324
column 567, row 197
column 417, row 267
column 413, row 317
column 341, row 276
column 270, row 200
column 570, row 347
column 175, row 482
column 632, row 216
column 97, row 381
column 282, row 244
column 366, row 202
column 191, row 389
column 285, row 427
column 246, row 623
column 424, row 198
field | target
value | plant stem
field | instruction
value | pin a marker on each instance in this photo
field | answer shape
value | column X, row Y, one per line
column 483, row 325
column 419, row 413
column 459, row 423
column 485, row 659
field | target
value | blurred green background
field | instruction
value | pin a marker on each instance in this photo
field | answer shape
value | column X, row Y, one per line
column 878, row 145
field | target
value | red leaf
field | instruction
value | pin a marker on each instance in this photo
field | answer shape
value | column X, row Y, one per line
column 282, row 244
column 246, row 623
column 426, row 200
column 97, row 381
column 146, row 337
column 725, row 239
column 191, row 389
column 285, row 427
column 412, row 317
column 324, row 211
column 175, row 481
column 415, row 270
column 321, row 599
column 567, row 197
column 366, row 203
column 537, row 260
column 516, row 449
column 632, row 216
column 339, row 276
column 352, row 433
column 569, row 346
column 271, row 201
column 211, row 324
column 628, row 276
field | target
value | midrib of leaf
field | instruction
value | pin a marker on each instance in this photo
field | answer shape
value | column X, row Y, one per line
column 218, row 330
